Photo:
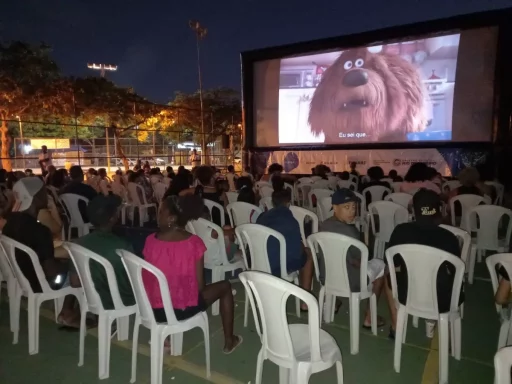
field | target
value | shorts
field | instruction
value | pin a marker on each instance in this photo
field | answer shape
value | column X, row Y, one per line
column 297, row 264
column 182, row 314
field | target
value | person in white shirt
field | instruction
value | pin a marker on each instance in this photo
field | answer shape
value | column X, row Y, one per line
column 45, row 159
column 231, row 178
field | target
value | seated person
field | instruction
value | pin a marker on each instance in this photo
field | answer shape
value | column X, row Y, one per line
column 502, row 296
column 424, row 231
column 231, row 177
column 345, row 175
column 180, row 257
column 344, row 203
column 375, row 174
column 418, row 177
column 281, row 219
column 103, row 212
column 393, row 175
column 78, row 187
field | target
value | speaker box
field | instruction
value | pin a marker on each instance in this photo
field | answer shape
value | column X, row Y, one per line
column 225, row 141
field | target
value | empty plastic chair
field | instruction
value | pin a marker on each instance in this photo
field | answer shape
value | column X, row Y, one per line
column 211, row 205
column 466, row 202
column 347, row 184
column 159, row 331
column 390, row 215
column 299, row 350
column 500, row 190
column 401, row 198
column 138, row 201
column 242, row 213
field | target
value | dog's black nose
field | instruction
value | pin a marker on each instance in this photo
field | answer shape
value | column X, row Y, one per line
column 355, row 78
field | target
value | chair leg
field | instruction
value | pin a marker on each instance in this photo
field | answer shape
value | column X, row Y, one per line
column 373, row 313
column 157, row 345
column 177, row 344
column 456, row 338
column 14, row 308
column 471, row 261
column 206, row 332
column 400, row 324
column 104, row 328
column 415, row 321
column 284, row 375
column 33, row 325
column 135, row 344
column 123, row 328
column 259, row 367
column 297, row 300
column 327, row 307
column 444, row 339
column 503, row 335
column 83, row 331
column 354, row 324
column 339, row 371
column 246, row 310
column 321, row 304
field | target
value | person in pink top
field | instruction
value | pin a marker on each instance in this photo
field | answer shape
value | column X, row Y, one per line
column 180, row 256
column 417, row 177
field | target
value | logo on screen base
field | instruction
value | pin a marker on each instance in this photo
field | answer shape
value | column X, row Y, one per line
column 397, row 162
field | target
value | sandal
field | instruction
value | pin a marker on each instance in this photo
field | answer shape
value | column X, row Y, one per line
column 380, row 323
column 240, row 341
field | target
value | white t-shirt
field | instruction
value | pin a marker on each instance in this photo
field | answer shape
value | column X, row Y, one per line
column 46, row 156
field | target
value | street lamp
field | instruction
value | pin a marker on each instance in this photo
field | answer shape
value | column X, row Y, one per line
column 200, row 34
column 102, row 68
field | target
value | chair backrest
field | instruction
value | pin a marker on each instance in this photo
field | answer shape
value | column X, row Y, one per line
column 500, row 190
column 266, row 204
column 361, row 207
column 318, row 194
column 70, row 201
column 82, row 258
column 387, row 180
column 464, row 237
column 423, row 263
column 502, row 365
column 354, row 179
column 301, row 215
column 488, row 230
column 159, row 189
column 315, row 178
column 396, row 186
column 6, row 270
column 466, row 202
column 347, row 184
column 255, row 237
column 262, row 183
column 268, row 296
column 10, row 246
column 136, row 194
column 241, row 212
column 450, row 185
column 324, row 208
column 333, row 247
column 232, row 197
column 211, row 205
column 401, row 198
column 266, row 191
column 321, row 184
column 499, row 259
column 333, row 182
column 134, row 266
column 215, row 248
column 303, row 190
column 305, row 180
column 365, row 179
column 377, row 192
column 292, row 190
column 390, row 215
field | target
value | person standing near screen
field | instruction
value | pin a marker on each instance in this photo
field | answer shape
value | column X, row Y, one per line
column 45, row 159
column 195, row 159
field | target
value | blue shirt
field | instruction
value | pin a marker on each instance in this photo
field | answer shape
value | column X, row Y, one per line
column 281, row 219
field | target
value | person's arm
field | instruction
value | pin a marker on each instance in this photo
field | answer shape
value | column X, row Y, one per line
column 46, row 218
column 503, row 292
column 200, row 273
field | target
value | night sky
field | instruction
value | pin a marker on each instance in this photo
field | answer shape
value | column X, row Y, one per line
column 154, row 48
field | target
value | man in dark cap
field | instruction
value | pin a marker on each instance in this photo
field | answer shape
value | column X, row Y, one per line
column 103, row 212
column 344, row 204
column 425, row 230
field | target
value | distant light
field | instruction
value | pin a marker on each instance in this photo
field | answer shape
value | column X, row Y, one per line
column 27, row 148
column 103, row 67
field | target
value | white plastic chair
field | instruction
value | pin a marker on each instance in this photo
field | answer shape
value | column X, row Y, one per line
column 292, row 191
column 261, row 183
column 82, row 259
column 390, row 215
column 159, row 331
column 266, row 191
column 71, row 201
column 324, row 208
column 500, row 191
column 135, row 192
column 504, row 260
column 377, row 192
column 255, row 237
column 302, row 193
column 34, row 299
column 318, row 193
column 321, row 184
column 298, row 349
column 334, row 247
column 215, row 257
column 232, row 197
column 266, row 204
column 396, row 186
column 502, row 365
column 302, row 215
column 487, row 232
column 315, row 178
column 243, row 213
column 347, row 184
column 467, row 253
column 7, row 276
column 401, row 198
column 450, row 185
column 354, row 179
column 422, row 265
column 466, row 202
column 211, row 205
column 159, row 189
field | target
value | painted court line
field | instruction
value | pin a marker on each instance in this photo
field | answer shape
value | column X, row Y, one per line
column 170, row 362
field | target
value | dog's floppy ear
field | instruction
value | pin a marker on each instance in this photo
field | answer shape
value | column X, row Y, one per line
column 395, row 95
column 322, row 109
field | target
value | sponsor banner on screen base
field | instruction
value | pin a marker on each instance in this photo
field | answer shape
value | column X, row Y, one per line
column 301, row 162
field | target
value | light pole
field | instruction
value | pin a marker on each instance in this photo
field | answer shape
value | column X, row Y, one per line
column 200, row 34
column 22, row 143
column 102, row 68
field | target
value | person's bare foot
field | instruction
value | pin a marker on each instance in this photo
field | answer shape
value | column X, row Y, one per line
column 235, row 342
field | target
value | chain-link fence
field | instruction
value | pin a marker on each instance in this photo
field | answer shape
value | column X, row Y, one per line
column 109, row 147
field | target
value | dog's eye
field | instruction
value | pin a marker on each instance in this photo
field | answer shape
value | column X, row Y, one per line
column 348, row 65
column 359, row 63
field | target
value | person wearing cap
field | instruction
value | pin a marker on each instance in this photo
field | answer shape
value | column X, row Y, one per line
column 344, row 204
column 425, row 230
column 23, row 226
column 281, row 219
column 103, row 212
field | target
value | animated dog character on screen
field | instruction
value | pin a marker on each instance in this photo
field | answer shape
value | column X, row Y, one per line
column 375, row 96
